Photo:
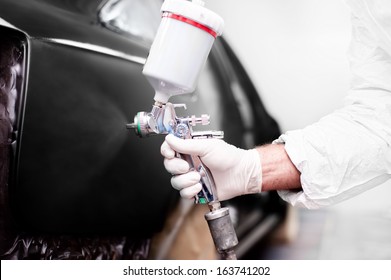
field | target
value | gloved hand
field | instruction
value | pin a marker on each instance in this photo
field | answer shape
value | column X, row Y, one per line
column 235, row 171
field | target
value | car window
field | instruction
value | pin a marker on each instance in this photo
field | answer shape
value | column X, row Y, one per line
column 138, row 18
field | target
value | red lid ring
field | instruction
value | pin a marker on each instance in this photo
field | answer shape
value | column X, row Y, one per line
column 191, row 22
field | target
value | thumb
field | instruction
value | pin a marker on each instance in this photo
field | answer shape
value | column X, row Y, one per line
column 186, row 146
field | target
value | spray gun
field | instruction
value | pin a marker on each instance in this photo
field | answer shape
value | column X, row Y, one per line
column 182, row 44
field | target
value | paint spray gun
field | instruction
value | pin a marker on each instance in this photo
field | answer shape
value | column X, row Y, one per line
column 182, row 44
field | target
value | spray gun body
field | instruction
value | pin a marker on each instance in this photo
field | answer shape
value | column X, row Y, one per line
column 178, row 53
column 163, row 120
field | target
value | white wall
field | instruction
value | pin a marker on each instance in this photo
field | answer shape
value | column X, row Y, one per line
column 294, row 51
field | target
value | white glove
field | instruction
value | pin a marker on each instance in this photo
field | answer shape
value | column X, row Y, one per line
column 235, row 171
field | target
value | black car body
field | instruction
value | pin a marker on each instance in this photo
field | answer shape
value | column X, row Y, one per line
column 72, row 176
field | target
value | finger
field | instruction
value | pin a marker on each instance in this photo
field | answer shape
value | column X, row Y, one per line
column 188, row 146
column 183, row 181
column 166, row 150
column 191, row 192
column 176, row 166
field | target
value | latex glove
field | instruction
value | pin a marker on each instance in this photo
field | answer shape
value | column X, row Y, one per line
column 235, row 171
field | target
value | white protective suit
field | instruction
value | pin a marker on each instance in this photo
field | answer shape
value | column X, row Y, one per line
column 349, row 151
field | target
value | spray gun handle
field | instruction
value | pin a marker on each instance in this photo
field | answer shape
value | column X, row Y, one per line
column 208, row 191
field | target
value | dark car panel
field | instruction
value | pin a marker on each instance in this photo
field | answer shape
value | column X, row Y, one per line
column 76, row 151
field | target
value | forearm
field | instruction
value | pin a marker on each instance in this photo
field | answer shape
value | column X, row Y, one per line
column 278, row 171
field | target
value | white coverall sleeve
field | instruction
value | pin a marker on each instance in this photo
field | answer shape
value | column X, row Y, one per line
column 349, row 151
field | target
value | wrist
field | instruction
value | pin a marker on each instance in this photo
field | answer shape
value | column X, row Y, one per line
column 278, row 171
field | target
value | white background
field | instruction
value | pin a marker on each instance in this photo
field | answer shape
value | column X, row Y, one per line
column 294, row 51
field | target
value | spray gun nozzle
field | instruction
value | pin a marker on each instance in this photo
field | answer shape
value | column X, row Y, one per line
column 131, row 126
